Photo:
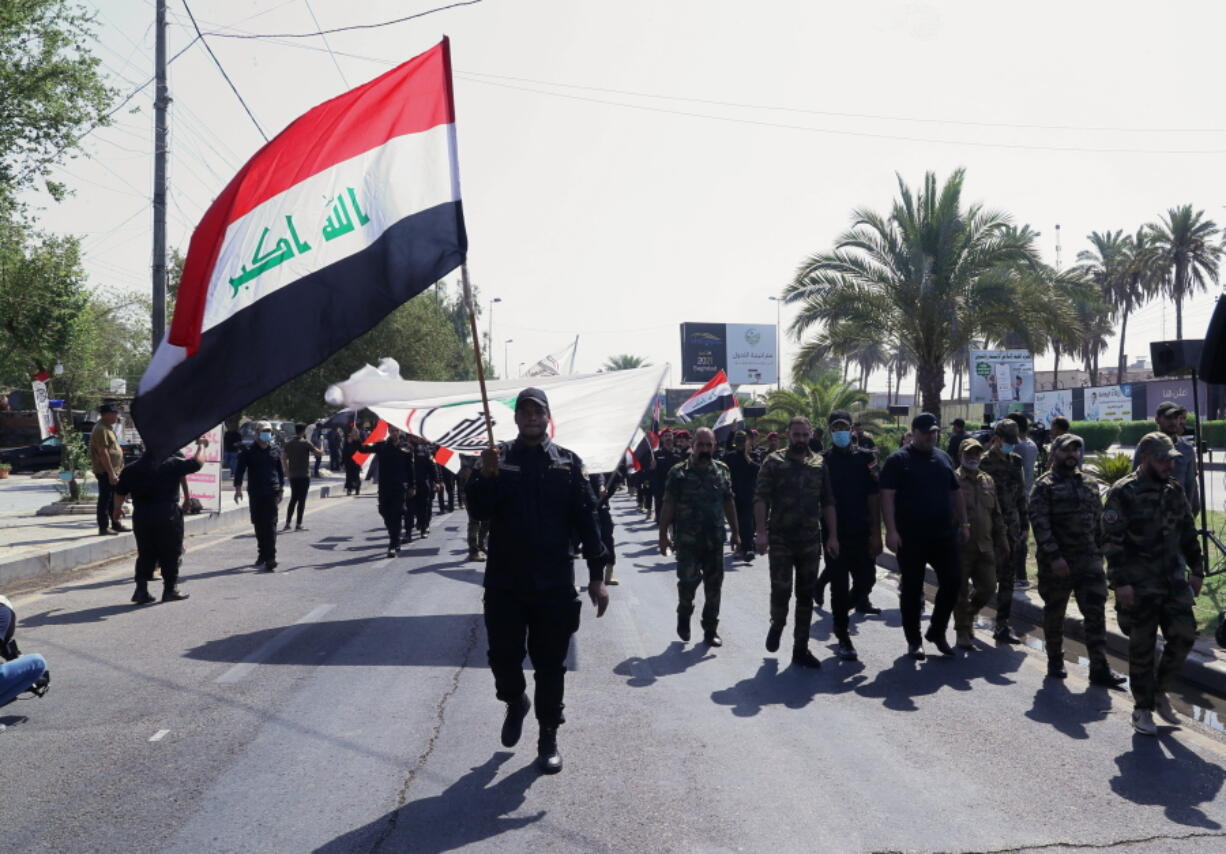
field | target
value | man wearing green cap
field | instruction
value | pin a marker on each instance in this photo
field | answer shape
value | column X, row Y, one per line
column 987, row 546
column 1147, row 527
column 1066, row 514
column 1003, row 464
column 1171, row 419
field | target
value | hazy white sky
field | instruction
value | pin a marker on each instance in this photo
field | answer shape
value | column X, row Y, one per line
column 629, row 166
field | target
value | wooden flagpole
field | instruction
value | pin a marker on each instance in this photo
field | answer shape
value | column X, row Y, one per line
column 472, row 325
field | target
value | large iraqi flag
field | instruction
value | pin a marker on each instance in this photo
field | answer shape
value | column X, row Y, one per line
column 349, row 212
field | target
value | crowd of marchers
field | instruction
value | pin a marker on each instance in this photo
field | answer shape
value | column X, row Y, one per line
column 966, row 512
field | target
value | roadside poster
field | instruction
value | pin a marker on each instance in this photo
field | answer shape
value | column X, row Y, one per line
column 748, row 353
column 1002, row 376
column 1108, row 403
column 1052, row 404
column 42, row 405
column 206, row 485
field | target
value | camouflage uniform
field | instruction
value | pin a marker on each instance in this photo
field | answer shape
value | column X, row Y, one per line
column 795, row 492
column 981, row 554
column 1147, row 527
column 697, row 495
column 1066, row 514
column 1006, row 472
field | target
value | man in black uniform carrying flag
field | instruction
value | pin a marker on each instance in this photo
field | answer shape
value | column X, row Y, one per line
column 535, row 496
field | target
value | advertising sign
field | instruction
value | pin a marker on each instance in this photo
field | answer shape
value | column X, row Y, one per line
column 205, row 485
column 704, row 351
column 1002, row 376
column 1179, row 391
column 1109, row 403
column 43, row 405
column 747, row 352
column 752, row 354
column 1052, row 404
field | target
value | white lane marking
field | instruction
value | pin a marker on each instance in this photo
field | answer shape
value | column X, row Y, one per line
column 159, row 735
column 265, row 651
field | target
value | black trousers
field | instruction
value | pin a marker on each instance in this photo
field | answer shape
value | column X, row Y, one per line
column 353, row 478
column 851, row 576
column 106, row 502
column 263, row 509
column 746, row 523
column 916, row 553
column 159, row 541
column 298, row 489
column 540, row 624
column 392, row 509
column 605, row 520
column 423, row 507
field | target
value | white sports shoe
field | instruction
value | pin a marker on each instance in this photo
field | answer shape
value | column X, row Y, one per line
column 1162, row 705
column 1143, row 722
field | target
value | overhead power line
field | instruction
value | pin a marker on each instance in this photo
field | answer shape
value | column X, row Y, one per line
column 318, row 33
column 217, row 62
column 841, row 132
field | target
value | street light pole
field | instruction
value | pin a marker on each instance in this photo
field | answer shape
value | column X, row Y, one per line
column 489, row 333
column 506, row 346
column 778, row 341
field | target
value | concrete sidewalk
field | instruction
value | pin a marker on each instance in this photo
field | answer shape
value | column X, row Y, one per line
column 1204, row 667
column 32, row 546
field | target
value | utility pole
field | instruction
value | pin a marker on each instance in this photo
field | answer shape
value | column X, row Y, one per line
column 161, row 102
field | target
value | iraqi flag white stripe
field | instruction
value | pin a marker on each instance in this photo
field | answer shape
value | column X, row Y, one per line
column 406, row 175
column 710, row 398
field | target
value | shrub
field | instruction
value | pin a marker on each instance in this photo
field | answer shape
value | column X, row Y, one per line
column 1110, row 468
column 1132, row 431
column 1097, row 435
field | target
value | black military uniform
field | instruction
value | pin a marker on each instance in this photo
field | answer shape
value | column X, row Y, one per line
column 853, row 482
column 536, row 502
column 265, row 484
column 425, row 476
column 744, row 469
column 157, row 521
column 609, row 483
column 353, row 470
column 665, row 458
column 396, row 475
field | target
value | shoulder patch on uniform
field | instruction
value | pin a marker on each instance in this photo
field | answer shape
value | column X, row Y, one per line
column 1110, row 517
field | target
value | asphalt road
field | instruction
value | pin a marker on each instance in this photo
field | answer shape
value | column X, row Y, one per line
column 343, row 704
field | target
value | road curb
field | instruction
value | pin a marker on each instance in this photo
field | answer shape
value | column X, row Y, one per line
column 95, row 550
column 1201, row 667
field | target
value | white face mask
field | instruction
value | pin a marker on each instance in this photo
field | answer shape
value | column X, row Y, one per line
column 971, row 464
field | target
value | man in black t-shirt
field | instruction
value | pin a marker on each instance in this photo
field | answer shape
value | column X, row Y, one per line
column 925, row 520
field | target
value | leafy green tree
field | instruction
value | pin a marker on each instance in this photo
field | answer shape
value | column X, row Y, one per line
column 931, row 275
column 53, row 92
column 43, row 300
column 625, row 362
column 1186, row 245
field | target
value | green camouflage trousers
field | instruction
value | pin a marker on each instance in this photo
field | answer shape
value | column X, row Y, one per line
column 478, row 535
column 803, row 560
column 1088, row 584
column 700, row 563
column 1150, row 611
column 978, row 575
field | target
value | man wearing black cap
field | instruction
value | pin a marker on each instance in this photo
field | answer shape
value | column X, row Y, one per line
column 925, row 521
column 260, row 463
column 957, row 436
column 106, row 459
column 744, row 470
column 535, row 496
column 1172, row 419
column 857, row 501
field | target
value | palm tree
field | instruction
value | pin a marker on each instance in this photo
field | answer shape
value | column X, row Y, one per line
column 625, row 362
column 816, row 399
column 1108, row 266
column 930, row 275
column 1188, row 255
column 1144, row 277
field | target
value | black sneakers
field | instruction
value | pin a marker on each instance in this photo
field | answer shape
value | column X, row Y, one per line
column 772, row 638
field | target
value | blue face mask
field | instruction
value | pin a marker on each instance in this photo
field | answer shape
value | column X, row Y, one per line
column 1006, row 448
column 841, row 438
column 265, row 436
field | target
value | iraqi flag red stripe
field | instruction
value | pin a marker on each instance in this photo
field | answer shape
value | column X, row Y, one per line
column 411, row 98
